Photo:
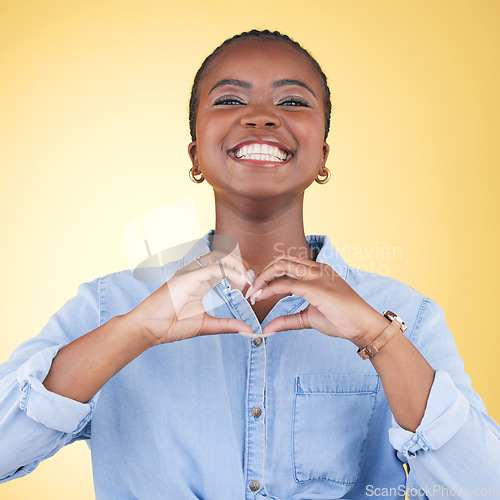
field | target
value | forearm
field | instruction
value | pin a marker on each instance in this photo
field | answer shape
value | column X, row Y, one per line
column 406, row 377
column 81, row 368
column 451, row 428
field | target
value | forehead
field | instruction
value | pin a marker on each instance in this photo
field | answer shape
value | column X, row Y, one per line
column 261, row 58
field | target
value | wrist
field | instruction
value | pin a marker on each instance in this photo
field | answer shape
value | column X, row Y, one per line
column 396, row 324
column 137, row 329
column 371, row 331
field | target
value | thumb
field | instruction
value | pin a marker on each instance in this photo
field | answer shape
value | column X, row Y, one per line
column 212, row 326
column 283, row 323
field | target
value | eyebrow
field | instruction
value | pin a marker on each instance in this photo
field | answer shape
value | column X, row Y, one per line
column 247, row 85
column 232, row 81
column 287, row 81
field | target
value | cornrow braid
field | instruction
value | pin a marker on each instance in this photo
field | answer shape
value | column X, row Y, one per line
column 194, row 100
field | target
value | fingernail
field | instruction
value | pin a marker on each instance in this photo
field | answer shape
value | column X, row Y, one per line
column 247, row 279
column 251, row 275
column 267, row 334
column 249, row 291
column 254, row 296
column 249, row 335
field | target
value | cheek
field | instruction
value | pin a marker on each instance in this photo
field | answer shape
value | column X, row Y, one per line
column 209, row 138
column 311, row 133
column 211, row 129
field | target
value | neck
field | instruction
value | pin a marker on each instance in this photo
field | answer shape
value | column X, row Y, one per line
column 263, row 230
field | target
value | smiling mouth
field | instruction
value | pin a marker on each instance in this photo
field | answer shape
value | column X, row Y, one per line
column 261, row 152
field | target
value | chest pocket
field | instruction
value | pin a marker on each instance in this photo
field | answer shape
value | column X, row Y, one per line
column 332, row 414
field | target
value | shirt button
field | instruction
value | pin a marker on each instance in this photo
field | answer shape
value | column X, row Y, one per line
column 257, row 341
column 254, row 486
column 256, row 412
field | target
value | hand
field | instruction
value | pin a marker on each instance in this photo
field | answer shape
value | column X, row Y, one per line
column 334, row 309
column 175, row 311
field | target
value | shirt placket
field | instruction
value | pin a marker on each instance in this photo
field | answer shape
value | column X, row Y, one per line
column 255, row 438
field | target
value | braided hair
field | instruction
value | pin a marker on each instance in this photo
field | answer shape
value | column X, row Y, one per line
column 194, row 100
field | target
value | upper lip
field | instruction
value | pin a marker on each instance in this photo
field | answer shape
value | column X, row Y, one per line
column 262, row 140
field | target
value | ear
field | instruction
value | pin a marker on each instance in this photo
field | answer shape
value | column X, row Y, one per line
column 326, row 151
column 193, row 154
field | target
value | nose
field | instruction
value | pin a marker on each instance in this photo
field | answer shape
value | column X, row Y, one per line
column 260, row 117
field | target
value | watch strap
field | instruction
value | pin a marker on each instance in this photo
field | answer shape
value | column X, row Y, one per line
column 394, row 317
column 372, row 349
column 397, row 324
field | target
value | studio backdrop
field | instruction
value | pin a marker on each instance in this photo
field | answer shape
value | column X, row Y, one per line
column 94, row 134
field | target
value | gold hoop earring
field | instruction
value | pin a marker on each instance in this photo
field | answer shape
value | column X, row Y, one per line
column 195, row 179
column 326, row 179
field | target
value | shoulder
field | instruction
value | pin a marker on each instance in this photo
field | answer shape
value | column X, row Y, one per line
column 381, row 285
column 145, row 278
column 119, row 292
column 385, row 293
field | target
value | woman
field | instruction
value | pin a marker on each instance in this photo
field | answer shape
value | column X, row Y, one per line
column 346, row 375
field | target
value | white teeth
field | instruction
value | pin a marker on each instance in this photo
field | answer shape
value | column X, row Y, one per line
column 263, row 152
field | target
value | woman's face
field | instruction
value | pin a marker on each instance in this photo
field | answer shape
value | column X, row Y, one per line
column 260, row 127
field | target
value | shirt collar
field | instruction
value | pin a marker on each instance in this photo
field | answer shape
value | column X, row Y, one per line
column 327, row 253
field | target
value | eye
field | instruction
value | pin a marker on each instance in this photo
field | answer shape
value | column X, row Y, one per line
column 294, row 101
column 228, row 100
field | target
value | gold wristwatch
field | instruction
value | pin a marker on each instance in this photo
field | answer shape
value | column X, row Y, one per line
column 396, row 324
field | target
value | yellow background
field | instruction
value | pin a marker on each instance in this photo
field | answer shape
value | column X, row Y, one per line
column 93, row 131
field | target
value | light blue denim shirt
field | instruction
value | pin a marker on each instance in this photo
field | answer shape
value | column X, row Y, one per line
column 298, row 415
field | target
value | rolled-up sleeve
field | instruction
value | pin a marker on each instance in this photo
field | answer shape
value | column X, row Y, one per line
column 446, row 412
column 34, row 422
column 45, row 407
column 456, row 448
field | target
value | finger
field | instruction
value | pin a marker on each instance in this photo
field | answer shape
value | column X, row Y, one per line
column 216, row 272
column 233, row 261
column 212, row 326
column 284, row 323
column 216, row 255
column 227, row 260
column 195, row 284
column 272, row 272
column 204, row 324
column 256, row 335
column 290, row 269
column 317, row 269
column 293, row 258
column 297, row 287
